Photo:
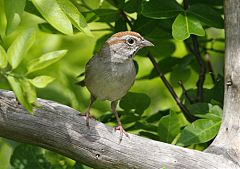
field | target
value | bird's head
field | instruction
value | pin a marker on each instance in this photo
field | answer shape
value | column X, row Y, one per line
column 124, row 45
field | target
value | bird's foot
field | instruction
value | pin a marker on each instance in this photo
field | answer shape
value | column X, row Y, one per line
column 87, row 116
column 122, row 131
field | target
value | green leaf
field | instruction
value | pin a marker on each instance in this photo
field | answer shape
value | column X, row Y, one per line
column 52, row 12
column 45, row 60
column 19, row 92
column 107, row 15
column 129, row 118
column 29, row 90
column 207, row 2
column 150, row 135
column 75, row 16
column 207, row 15
column 14, row 12
column 137, row 101
column 206, row 110
column 41, row 81
column 156, row 116
column 179, row 73
column 184, row 25
column 166, row 65
column 3, row 58
column 133, row 6
column 118, row 4
column 3, row 19
column 29, row 157
column 100, row 41
column 5, row 154
column 162, row 48
column 168, row 127
column 200, row 131
column 20, row 46
column 46, row 27
column 120, row 25
column 160, row 9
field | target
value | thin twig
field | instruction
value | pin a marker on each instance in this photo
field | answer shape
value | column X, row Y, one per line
column 125, row 18
column 185, row 4
column 185, row 92
column 171, row 90
column 202, row 71
column 196, row 52
column 210, row 67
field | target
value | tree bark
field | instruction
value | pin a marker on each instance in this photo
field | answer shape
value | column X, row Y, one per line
column 61, row 129
column 227, row 141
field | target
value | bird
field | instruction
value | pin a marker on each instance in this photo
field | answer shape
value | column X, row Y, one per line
column 110, row 73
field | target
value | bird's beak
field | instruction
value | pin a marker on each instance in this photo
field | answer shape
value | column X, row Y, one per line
column 146, row 43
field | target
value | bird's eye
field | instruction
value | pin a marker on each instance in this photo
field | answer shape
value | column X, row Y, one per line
column 130, row 41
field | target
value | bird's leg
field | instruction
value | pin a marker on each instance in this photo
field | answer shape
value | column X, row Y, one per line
column 119, row 126
column 87, row 113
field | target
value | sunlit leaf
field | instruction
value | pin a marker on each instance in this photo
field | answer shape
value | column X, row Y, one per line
column 20, row 46
column 75, row 16
column 206, row 110
column 29, row 90
column 3, row 58
column 200, row 131
column 185, row 25
column 14, row 12
column 46, row 27
column 160, row 9
column 45, row 60
column 52, row 12
column 18, row 90
column 41, row 81
column 3, row 19
column 168, row 127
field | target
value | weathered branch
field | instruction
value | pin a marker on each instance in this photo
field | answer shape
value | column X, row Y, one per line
column 61, row 129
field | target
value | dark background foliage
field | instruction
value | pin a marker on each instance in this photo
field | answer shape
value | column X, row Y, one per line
column 177, row 97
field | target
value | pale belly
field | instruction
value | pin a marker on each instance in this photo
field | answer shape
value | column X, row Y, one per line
column 110, row 81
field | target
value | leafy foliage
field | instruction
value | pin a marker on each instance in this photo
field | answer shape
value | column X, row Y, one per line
column 44, row 45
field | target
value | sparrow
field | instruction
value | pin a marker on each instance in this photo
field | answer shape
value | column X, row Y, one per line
column 110, row 73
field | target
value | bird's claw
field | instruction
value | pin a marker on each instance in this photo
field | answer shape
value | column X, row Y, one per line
column 122, row 131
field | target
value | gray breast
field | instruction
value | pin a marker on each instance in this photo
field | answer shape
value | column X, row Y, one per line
column 110, row 81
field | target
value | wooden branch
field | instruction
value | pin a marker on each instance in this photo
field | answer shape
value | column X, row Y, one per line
column 61, row 129
column 228, row 140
